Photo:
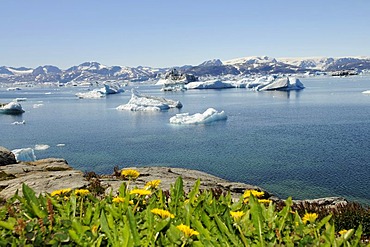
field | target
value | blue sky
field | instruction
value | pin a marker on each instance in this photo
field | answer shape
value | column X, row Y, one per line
column 168, row 33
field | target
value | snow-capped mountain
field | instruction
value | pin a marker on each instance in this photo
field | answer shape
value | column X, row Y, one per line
column 94, row 71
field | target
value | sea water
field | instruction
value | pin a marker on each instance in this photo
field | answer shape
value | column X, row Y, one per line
column 305, row 144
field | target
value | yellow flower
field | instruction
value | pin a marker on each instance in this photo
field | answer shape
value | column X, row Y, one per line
column 237, row 215
column 94, row 229
column 56, row 193
column 267, row 201
column 342, row 232
column 130, row 174
column 153, row 184
column 162, row 213
column 255, row 193
column 309, row 217
column 118, row 199
column 188, row 232
column 81, row 192
column 140, row 192
column 60, row 192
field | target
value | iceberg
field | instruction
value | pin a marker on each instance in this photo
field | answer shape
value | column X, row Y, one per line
column 94, row 94
column 24, row 154
column 139, row 102
column 210, row 115
column 110, row 90
column 283, row 84
column 11, row 108
column 366, row 92
column 211, row 84
column 261, row 81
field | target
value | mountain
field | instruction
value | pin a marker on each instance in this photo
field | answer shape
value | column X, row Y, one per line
column 264, row 65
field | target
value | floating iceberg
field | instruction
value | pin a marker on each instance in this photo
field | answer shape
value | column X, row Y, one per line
column 210, row 115
column 283, row 84
column 110, row 90
column 94, row 94
column 41, row 147
column 13, row 89
column 139, row 102
column 19, row 99
column 24, row 154
column 366, row 92
column 261, row 81
column 212, row 84
column 11, row 108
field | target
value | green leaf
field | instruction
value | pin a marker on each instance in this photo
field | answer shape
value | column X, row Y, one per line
column 88, row 215
column 104, row 226
column 257, row 218
column 127, row 237
column 194, row 191
column 177, row 193
column 162, row 224
column 223, row 228
column 7, row 225
column 323, row 221
column 75, row 237
column 32, row 200
column 133, row 227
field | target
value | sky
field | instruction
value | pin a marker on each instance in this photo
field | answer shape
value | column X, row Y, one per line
column 175, row 33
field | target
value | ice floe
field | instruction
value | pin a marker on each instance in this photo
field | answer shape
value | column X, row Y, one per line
column 24, row 154
column 19, row 123
column 41, row 147
column 94, row 94
column 211, row 84
column 140, row 102
column 210, row 115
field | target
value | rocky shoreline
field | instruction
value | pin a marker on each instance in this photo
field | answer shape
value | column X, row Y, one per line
column 47, row 175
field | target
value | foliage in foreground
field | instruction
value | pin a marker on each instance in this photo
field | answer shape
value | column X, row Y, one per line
column 152, row 217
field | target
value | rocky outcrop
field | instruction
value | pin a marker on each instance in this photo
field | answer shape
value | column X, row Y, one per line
column 47, row 175
column 168, row 177
column 6, row 157
column 44, row 175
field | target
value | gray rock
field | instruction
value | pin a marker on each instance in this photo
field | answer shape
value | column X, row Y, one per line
column 168, row 177
column 330, row 202
column 6, row 157
column 42, row 176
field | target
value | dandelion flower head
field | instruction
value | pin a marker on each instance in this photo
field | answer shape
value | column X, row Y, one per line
column 188, row 232
column 311, row 217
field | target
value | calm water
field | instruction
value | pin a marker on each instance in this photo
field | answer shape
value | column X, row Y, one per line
column 306, row 144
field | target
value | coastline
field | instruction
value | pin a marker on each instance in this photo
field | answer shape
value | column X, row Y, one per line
column 47, row 175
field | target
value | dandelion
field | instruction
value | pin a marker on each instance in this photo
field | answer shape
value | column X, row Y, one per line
column 267, row 201
column 81, row 192
column 188, row 232
column 342, row 232
column 162, row 213
column 309, row 217
column 118, row 199
column 130, row 174
column 237, row 215
column 60, row 192
column 255, row 193
column 152, row 184
column 140, row 192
